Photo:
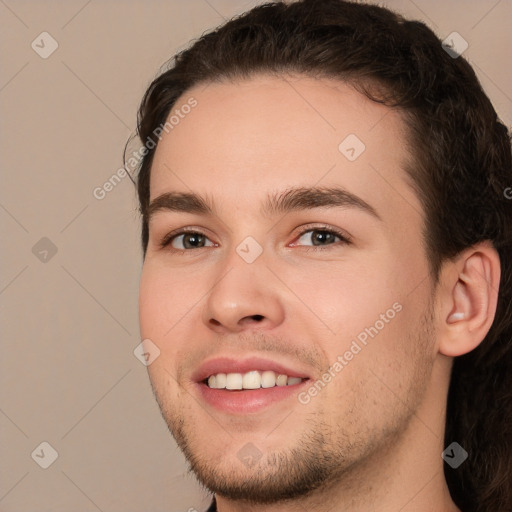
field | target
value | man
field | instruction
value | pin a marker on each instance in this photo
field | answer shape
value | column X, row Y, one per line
column 328, row 266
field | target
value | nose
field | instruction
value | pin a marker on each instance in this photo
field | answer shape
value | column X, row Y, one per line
column 244, row 296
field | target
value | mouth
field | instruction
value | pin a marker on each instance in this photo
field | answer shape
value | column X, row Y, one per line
column 247, row 386
column 253, row 379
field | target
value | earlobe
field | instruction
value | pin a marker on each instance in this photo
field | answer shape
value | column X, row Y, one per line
column 471, row 300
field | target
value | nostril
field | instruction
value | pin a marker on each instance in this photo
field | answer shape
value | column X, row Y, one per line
column 258, row 317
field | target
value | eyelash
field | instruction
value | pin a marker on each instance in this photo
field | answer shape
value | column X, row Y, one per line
column 344, row 239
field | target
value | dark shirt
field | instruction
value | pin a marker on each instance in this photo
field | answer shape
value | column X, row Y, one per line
column 213, row 506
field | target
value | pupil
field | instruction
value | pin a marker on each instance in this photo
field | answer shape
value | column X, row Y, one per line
column 322, row 236
column 192, row 240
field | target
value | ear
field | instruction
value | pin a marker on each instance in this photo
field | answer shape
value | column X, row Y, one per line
column 467, row 299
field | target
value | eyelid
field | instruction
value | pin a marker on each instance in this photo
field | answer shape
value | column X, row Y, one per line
column 169, row 237
column 343, row 235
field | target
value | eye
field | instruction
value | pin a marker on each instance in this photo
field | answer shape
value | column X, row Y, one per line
column 321, row 237
column 186, row 239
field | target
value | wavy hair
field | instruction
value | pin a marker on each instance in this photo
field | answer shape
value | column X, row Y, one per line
column 461, row 172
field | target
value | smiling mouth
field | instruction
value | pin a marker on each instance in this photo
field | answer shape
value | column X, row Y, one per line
column 250, row 380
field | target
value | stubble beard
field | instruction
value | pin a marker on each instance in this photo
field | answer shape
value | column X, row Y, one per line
column 322, row 456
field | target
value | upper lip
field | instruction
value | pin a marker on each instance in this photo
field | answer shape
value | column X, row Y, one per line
column 230, row 365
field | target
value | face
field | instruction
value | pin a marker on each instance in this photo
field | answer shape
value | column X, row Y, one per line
column 301, row 278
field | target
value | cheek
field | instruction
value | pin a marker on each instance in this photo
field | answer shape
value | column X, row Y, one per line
column 376, row 381
column 347, row 296
column 157, row 316
column 151, row 302
column 165, row 297
column 370, row 320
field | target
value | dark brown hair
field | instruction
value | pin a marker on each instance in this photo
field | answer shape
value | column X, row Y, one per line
column 461, row 170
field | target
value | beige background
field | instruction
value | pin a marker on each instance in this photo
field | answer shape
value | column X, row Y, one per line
column 68, row 374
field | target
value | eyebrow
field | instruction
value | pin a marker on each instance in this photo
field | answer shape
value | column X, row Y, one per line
column 292, row 199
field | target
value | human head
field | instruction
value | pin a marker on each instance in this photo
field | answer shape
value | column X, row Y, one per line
column 460, row 165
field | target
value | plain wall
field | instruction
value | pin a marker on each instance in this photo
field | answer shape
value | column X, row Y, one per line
column 69, row 320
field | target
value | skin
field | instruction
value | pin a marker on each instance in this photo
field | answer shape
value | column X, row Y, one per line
column 372, row 438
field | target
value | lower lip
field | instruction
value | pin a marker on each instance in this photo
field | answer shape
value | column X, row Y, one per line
column 247, row 401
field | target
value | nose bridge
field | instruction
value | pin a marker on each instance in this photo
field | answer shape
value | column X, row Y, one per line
column 244, row 291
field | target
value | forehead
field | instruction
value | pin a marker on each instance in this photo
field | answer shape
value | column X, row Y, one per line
column 243, row 139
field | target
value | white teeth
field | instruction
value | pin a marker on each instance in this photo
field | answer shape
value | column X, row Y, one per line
column 217, row 381
column 251, row 380
column 233, row 381
column 220, row 380
column 268, row 379
column 281, row 380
